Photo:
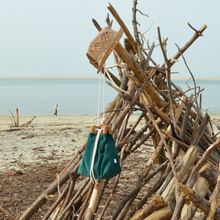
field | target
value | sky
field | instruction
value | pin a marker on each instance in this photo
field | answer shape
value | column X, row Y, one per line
column 50, row 38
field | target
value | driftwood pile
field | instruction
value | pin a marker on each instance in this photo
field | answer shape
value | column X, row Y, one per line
column 15, row 123
column 186, row 154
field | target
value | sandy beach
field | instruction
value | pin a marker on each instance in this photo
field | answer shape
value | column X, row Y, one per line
column 48, row 139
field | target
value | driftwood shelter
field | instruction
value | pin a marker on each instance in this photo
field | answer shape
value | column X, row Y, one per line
column 185, row 152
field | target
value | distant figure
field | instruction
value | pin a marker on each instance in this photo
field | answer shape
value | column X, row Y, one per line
column 55, row 113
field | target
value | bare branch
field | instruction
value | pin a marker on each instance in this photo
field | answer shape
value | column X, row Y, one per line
column 142, row 13
column 134, row 22
column 191, row 76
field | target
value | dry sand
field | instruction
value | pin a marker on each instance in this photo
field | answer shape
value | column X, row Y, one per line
column 48, row 140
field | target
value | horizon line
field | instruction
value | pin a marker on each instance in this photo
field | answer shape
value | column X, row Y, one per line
column 49, row 77
column 94, row 77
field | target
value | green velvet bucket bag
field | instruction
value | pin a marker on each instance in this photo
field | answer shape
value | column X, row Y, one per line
column 100, row 159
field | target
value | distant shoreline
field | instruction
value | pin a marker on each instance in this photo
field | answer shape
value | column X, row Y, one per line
column 47, row 77
column 95, row 77
column 212, row 115
column 202, row 78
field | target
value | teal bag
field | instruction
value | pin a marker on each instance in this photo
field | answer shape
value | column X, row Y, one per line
column 105, row 163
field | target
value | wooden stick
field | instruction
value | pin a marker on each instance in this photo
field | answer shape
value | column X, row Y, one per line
column 17, row 116
column 167, row 71
column 201, row 162
column 57, row 211
column 164, row 213
column 195, row 94
column 192, row 178
column 137, row 71
column 214, row 200
column 43, row 198
column 110, row 196
column 136, row 138
column 201, row 130
column 122, row 129
column 162, row 138
column 59, row 199
column 194, row 131
column 123, row 26
column 90, row 212
column 186, row 118
column 135, row 147
column 79, row 199
column 29, row 122
column 132, row 195
column 7, row 214
column 13, row 118
column 201, row 187
column 135, row 125
column 82, row 211
column 73, row 176
column 70, row 204
column 135, row 98
column 149, row 193
column 155, row 204
column 210, row 173
column 183, row 168
column 198, row 200
column 168, row 179
column 189, row 43
column 134, row 22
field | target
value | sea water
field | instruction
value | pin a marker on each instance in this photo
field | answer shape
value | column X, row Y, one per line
column 39, row 96
column 210, row 100
column 78, row 96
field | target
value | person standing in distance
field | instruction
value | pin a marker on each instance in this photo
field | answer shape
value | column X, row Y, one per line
column 55, row 113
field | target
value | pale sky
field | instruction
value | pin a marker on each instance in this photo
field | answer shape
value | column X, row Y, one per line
column 51, row 37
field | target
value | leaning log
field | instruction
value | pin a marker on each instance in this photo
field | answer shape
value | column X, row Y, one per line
column 201, row 187
column 210, row 173
column 164, row 213
column 155, row 204
column 182, row 170
column 214, row 200
column 198, row 200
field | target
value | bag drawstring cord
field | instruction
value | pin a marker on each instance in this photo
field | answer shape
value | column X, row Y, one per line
column 99, row 97
column 92, row 176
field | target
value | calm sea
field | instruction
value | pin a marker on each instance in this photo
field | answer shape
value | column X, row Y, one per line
column 76, row 96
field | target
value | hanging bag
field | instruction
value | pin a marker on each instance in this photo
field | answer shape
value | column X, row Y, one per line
column 105, row 164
